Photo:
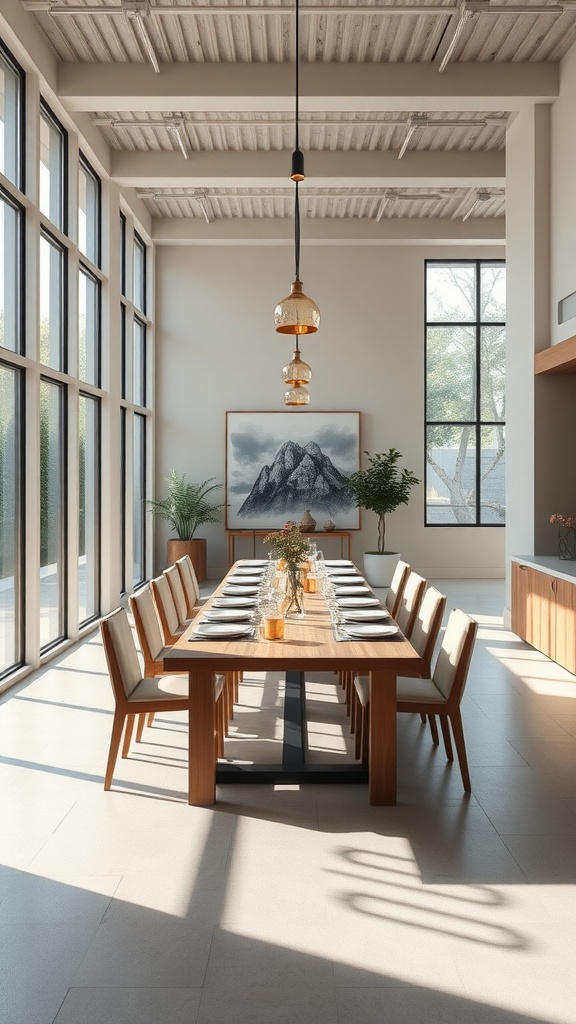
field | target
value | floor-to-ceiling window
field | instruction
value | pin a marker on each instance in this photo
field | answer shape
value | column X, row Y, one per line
column 52, row 512
column 89, row 507
column 465, row 392
column 75, row 342
column 10, row 517
column 12, row 300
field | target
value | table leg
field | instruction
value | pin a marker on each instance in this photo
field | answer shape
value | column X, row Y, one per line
column 201, row 738
column 230, row 549
column 382, row 747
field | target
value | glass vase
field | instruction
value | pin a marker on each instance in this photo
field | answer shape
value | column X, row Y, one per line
column 567, row 543
column 294, row 592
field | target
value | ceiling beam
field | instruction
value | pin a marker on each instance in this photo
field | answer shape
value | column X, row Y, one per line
column 320, row 231
column 324, row 87
column 266, row 170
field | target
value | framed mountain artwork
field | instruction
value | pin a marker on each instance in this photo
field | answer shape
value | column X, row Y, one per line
column 280, row 465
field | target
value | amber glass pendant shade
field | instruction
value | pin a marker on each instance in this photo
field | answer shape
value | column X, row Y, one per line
column 296, row 314
column 297, row 395
column 297, row 372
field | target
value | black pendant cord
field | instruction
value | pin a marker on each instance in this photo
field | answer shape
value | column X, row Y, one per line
column 297, row 72
column 297, row 234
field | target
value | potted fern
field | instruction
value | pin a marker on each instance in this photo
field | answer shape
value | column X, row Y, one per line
column 381, row 488
column 186, row 507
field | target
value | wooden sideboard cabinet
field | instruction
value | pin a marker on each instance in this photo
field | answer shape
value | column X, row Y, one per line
column 544, row 613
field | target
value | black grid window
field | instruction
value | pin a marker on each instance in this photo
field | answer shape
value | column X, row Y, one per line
column 12, row 82
column 465, row 392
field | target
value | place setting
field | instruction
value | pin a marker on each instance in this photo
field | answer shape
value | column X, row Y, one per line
column 222, row 630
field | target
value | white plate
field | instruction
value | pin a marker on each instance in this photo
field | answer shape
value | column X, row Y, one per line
column 233, row 602
column 366, row 614
column 221, row 629
column 227, row 614
column 238, row 591
column 369, row 629
column 243, row 581
column 346, row 581
column 342, row 570
column 338, row 561
column 340, row 591
column 248, row 570
column 262, row 562
column 358, row 602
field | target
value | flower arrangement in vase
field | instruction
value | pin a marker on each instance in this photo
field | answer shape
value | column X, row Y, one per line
column 292, row 547
column 566, row 535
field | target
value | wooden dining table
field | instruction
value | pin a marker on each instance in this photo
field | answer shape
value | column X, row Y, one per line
column 309, row 645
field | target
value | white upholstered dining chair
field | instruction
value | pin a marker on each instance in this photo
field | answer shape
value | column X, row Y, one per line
column 135, row 694
column 441, row 695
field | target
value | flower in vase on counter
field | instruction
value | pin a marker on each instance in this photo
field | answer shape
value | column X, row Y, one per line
column 568, row 521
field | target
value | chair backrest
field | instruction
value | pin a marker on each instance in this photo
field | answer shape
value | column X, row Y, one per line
column 410, row 603
column 172, row 574
column 454, row 656
column 121, row 654
column 427, row 627
column 189, row 581
column 396, row 588
column 148, row 628
column 166, row 608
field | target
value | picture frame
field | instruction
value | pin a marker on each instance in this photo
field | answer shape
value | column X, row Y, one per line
column 279, row 465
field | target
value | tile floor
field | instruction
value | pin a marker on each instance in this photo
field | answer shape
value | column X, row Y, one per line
column 284, row 904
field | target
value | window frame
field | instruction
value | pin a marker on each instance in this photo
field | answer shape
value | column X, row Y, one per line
column 63, row 513
column 20, row 519
column 478, row 423
column 83, row 269
column 85, row 164
column 48, row 114
column 82, row 394
column 20, row 155
column 20, row 210
column 140, row 244
column 53, row 240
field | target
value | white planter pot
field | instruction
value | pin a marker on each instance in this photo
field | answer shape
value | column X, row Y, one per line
column 379, row 568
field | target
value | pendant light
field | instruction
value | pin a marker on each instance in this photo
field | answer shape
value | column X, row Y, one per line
column 296, row 374
column 297, row 313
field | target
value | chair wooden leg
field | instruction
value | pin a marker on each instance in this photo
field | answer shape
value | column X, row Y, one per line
column 348, row 687
column 140, row 727
column 445, row 726
column 150, row 719
column 354, row 710
column 434, row 730
column 423, row 719
column 117, row 726
column 458, row 731
column 359, row 730
column 128, row 734
column 365, row 733
column 237, row 681
column 220, row 724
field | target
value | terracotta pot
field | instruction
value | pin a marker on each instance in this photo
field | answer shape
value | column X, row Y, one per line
column 195, row 548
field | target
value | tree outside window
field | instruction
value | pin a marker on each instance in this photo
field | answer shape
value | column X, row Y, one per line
column 465, row 392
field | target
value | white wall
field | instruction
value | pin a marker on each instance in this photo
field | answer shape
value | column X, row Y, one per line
column 216, row 350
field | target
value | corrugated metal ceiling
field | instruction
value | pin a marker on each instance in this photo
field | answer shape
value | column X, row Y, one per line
column 331, row 32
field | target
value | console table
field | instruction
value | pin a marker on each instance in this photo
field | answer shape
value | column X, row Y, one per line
column 344, row 536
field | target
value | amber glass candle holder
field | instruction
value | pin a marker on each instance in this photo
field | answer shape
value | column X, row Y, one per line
column 273, row 625
column 311, row 583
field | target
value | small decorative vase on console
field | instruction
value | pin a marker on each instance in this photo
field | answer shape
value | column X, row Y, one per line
column 308, row 524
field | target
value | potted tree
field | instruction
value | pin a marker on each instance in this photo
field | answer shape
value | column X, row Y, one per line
column 381, row 488
column 186, row 507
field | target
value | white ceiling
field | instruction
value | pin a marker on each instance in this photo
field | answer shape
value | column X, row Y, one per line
column 196, row 102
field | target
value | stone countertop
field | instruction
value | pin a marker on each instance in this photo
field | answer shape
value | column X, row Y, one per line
column 562, row 568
